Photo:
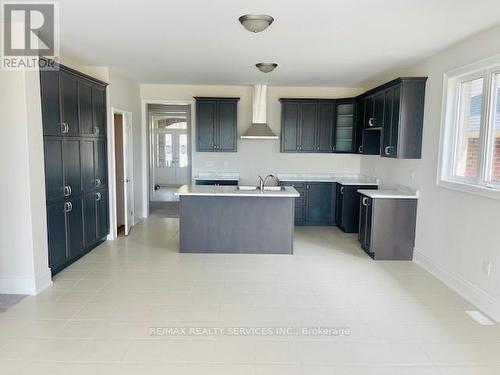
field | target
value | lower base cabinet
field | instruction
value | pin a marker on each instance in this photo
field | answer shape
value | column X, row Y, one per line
column 347, row 207
column 316, row 204
column 387, row 227
column 75, row 226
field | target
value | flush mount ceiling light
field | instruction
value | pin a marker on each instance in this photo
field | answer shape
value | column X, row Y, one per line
column 256, row 22
column 266, row 67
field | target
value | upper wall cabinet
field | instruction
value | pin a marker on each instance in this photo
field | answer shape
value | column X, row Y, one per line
column 216, row 124
column 345, row 126
column 393, row 119
column 72, row 104
column 307, row 125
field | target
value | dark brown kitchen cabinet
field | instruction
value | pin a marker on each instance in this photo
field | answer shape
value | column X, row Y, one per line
column 316, row 203
column 393, row 119
column 99, row 110
column 345, row 126
column 69, row 103
column 73, row 107
column 85, row 107
column 307, row 125
column 216, row 124
column 403, row 119
column 347, row 207
column 51, row 111
column 387, row 227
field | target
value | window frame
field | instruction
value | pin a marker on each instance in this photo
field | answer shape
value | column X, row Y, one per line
column 489, row 71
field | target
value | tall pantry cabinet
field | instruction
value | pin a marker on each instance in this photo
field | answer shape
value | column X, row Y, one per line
column 75, row 147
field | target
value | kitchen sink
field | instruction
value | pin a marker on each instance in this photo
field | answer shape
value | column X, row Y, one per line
column 247, row 188
column 274, row 188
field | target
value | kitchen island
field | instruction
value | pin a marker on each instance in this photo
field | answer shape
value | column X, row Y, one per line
column 225, row 219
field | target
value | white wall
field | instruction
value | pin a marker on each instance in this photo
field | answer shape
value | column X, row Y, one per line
column 256, row 157
column 456, row 232
column 124, row 94
column 23, row 241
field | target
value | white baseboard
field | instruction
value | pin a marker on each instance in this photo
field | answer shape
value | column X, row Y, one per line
column 21, row 285
column 485, row 302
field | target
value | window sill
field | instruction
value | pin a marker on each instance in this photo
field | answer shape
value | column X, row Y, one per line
column 483, row 191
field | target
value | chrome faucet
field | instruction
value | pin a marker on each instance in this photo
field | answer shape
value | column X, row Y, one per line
column 263, row 181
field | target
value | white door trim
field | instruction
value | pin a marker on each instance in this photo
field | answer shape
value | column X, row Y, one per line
column 145, row 143
column 126, row 117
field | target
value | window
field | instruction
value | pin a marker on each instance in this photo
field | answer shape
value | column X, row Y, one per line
column 470, row 152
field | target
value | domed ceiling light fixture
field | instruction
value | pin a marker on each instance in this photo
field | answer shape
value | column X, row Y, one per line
column 256, row 22
column 266, row 67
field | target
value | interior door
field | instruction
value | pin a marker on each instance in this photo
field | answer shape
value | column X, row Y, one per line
column 128, row 187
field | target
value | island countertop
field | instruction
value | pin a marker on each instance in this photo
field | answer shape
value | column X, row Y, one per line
column 232, row 191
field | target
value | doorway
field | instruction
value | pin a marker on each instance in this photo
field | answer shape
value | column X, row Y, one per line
column 123, row 152
column 170, row 154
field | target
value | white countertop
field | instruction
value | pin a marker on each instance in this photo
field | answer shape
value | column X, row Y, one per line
column 231, row 176
column 344, row 179
column 390, row 194
column 232, row 191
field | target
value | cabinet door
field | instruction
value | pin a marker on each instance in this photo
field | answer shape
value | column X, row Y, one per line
column 326, row 120
column 72, row 170
column 290, row 127
column 85, row 107
column 339, row 205
column 102, row 214
column 368, row 112
column 308, row 118
column 365, row 223
column 88, row 153
column 205, row 125
column 393, row 149
column 226, row 130
column 100, row 158
column 378, row 109
column 90, row 219
column 387, row 129
column 99, row 110
column 320, row 203
column 69, row 103
column 49, row 86
column 391, row 122
column 345, row 126
column 74, row 222
column 56, row 235
column 54, row 172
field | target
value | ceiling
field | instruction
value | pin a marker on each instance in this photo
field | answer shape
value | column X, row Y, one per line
column 315, row 42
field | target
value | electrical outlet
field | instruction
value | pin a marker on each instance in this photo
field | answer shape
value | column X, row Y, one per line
column 412, row 174
column 487, row 267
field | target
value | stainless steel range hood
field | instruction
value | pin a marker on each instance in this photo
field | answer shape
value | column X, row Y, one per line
column 259, row 128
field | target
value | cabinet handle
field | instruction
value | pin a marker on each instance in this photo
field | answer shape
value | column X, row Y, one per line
column 96, row 130
column 97, row 182
column 365, row 201
column 342, row 190
column 371, row 121
column 67, row 191
column 333, row 148
column 387, row 150
column 360, row 149
column 68, row 207
column 64, row 128
column 317, row 147
column 98, row 197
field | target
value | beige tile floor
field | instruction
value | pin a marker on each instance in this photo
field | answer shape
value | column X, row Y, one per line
column 96, row 317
